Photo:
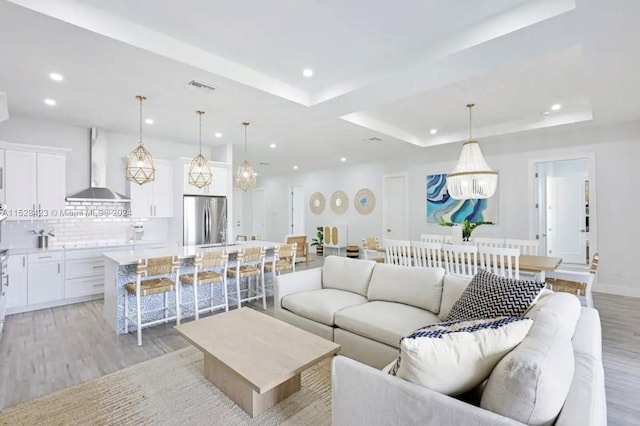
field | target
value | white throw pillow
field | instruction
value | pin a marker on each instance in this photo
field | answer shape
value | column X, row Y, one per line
column 455, row 357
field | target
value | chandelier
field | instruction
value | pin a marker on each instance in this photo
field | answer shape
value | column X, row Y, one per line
column 140, row 167
column 472, row 178
column 246, row 177
column 200, row 172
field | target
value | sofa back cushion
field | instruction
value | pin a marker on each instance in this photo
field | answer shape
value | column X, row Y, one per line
column 419, row 287
column 347, row 274
column 452, row 288
column 530, row 384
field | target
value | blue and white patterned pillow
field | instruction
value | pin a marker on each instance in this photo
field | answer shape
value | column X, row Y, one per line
column 455, row 357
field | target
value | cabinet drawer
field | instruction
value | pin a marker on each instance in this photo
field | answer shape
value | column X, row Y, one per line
column 79, row 268
column 78, row 287
column 53, row 256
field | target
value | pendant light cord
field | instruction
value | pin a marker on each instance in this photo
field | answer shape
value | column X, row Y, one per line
column 200, row 130
column 470, row 106
column 245, row 124
column 140, row 98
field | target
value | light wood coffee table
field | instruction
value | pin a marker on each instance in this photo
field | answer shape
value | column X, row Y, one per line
column 256, row 360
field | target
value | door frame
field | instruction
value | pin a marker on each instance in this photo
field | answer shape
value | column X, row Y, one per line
column 405, row 230
column 593, row 201
column 290, row 212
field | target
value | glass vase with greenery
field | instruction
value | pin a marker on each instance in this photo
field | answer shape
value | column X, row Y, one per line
column 467, row 227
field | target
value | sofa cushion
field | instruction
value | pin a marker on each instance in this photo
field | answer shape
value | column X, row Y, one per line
column 490, row 296
column 566, row 306
column 454, row 357
column 321, row 305
column 347, row 274
column 531, row 383
column 452, row 288
column 587, row 338
column 419, row 287
column 384, row 322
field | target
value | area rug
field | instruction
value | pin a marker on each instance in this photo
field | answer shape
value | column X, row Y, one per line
column 170, row 390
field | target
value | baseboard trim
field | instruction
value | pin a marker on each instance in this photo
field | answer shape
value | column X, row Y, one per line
column 617, row 290
column 54, row 304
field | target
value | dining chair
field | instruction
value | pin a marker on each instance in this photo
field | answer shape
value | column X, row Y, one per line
column 529, row 247
column 398, row 252
column 284, row 259
column 370, row 246
column 427, row 255
column 460, row 260
column 204, row 274
column 151, row 280
column 489, row 242
column 504, row 262
column 302, row 247
column 432, row 238
column 250, row 264
column 575, row 282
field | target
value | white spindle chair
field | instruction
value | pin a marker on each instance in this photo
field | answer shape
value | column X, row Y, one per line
column 432, row 238
column 489, row 242
column 427, row 255
column 504, row 262
column 530, row 247
column 460, row 260
column 398, row 252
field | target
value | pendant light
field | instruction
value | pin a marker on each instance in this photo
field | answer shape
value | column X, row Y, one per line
column 246, row 177
column 472, row 178
column 140, row 167
column 200, row 172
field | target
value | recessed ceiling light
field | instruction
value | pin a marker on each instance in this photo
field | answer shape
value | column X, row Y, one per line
column 218, row 135
column 272, row 146
column 295, row 167
column 556, row 107
column 546, row 113
column 56, row 77
column 307, row 72
column 49, row 102
column 433, row 131
column 343, row 159
column 148, row 121
column 255, row 174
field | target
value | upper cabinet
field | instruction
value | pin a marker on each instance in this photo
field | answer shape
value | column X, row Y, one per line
column 154, row 199
column 34, row 183
column 218, row 185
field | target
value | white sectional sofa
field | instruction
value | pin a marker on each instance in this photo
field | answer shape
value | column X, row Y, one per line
column 367, row 307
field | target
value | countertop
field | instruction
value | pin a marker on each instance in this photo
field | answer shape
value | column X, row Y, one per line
column 80, row 246
column 128, row 257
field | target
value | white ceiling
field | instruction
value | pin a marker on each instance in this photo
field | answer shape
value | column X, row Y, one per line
column 391, row 70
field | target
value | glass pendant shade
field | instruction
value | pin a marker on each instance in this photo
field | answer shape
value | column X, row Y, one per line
column 140, row 168
column 200, row 174
column 246, row 177
column 472, row 178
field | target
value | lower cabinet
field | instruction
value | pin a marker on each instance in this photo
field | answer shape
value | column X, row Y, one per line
column 45, row 279
column 17, row 290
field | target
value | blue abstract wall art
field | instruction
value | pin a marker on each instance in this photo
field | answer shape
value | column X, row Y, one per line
column 441, row 207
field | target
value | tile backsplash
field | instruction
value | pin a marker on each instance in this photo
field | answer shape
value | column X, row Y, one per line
column 84, row 224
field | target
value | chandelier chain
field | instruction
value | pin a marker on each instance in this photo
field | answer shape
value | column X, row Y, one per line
column 141, row 98
column 200, row 130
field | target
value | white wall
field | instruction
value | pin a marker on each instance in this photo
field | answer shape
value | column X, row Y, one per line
column 616, row 149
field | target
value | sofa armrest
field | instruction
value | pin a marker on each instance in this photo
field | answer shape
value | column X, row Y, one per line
column 296, row 282
column 362, row 395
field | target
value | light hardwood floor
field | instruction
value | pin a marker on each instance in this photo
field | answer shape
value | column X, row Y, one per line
column 48, row 350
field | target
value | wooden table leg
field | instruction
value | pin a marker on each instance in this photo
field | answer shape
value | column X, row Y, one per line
column 237, row 389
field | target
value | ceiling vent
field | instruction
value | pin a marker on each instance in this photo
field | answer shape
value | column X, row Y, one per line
column 373, row 139
column 264, row 164
column 202, row 85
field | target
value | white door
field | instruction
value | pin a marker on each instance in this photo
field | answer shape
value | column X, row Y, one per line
column 296, row 210
column 566, row 231
column 237, row 214
column 21, row 185
column 259, row 214
column 51, row 183
column 162, row 188
column 394, row 208
column 141, row 199
column 45, row 282
column 218, row 181
column 17, row 290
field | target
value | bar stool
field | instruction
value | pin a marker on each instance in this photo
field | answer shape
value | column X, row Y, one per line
column 153, row 286
column 250, row 263
column 284, row 259
column 203, row 276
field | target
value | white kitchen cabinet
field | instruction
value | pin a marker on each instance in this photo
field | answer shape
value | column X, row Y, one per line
column 219, row 175
column 17, row 290
column 21, row 183
column 153, row 199
column 2, row 177
column 45, row 278
column 51, row 187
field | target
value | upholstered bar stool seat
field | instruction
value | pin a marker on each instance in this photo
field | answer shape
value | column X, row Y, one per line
column 152, row 286
column 204, row 277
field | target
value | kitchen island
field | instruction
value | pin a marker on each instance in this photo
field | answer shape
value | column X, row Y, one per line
column 120, row 269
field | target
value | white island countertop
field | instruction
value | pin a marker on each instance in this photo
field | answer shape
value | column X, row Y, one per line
column 129, row 257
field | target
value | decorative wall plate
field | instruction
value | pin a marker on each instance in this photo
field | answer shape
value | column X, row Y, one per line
column 365, row 201
column 339, row 202
column 317, row 203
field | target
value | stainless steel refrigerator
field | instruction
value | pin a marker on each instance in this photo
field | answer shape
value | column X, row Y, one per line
column 205, row 220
